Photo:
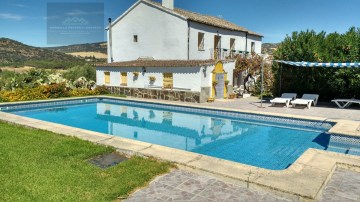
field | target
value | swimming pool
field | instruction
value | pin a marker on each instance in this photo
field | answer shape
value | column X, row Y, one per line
column 264, row 141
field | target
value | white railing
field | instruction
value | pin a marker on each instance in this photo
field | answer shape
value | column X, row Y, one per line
column 222, row 54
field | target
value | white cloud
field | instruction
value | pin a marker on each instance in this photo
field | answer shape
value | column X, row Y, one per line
column 50, row 17
column 19, row 5
column 10, row 16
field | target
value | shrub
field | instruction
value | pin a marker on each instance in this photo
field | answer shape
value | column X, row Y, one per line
column 102, row 90
column 76, row 72
column 82, row 92
column 57, row 90
column 23, row 94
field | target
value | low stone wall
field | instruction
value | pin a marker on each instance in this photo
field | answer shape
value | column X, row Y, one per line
column 159, row 94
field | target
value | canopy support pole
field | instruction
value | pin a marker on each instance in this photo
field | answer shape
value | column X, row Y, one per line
column 281, row 67
column 262, row 84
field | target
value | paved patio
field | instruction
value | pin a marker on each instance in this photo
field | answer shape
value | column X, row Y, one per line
column 180, row 185
column 343, row 186
column 324, row 110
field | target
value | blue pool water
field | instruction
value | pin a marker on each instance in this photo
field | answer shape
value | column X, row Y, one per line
column 262, row 141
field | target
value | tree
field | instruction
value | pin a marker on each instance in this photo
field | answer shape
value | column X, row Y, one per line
column 319, row 47
column 251, row 67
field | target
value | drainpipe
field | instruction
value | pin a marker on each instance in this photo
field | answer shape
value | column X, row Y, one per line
column 110, row 42
column 188, row 41
column 246, row 41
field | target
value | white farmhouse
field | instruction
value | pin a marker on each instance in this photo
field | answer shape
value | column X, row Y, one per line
column 161, row 52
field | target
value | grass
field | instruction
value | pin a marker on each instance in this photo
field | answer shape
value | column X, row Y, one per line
column 37, row 165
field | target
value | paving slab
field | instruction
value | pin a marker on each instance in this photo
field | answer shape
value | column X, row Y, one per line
column 343, row 186
column 180, row 185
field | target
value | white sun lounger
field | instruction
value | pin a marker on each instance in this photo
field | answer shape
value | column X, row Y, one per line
column 284, row 99
column 307, row 99
column 343, row 103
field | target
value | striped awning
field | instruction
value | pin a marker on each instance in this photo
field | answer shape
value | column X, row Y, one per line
column 319, row 64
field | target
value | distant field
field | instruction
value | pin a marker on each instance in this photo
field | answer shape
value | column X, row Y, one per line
column 17, row 69
column 25, row 69
column 89, row 54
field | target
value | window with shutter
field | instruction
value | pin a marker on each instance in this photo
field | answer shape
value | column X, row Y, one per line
column 107, row 77
column 201, row 41
column 124, row 78
column 168, row 80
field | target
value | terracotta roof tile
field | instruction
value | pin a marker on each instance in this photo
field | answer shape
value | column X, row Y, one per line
column 159, row 63
column 207, row 19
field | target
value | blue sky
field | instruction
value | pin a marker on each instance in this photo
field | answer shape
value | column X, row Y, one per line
column 26, row 20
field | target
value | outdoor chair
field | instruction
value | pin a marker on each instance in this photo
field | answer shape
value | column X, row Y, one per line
column 343, row 103
column 284, row 99
column 307, row 99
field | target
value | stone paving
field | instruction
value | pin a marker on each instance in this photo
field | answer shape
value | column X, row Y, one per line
column 181, row 185
column 325, row 110
column 343, row 186
column 322, row 110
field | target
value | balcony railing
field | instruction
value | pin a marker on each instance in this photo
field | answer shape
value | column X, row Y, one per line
column 222, row 53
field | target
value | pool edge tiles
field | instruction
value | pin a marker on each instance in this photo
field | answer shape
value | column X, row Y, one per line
column 259, row 118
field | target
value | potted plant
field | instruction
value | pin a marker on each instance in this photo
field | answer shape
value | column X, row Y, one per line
column 215, row 82
column 152, row 79
column 227, row 82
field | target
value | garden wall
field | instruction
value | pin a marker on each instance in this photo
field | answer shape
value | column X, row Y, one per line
column 158, row 94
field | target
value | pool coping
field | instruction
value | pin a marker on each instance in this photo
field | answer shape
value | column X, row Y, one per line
column 304, row 178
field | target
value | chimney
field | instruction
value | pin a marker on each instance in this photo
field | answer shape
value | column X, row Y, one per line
column 110, row 42
column 168, row 4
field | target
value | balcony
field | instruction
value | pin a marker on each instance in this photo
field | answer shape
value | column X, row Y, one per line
column 223, row 54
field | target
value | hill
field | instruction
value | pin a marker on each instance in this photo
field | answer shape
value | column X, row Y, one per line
column 100, row 47
column 14, row 53
column 269, row 48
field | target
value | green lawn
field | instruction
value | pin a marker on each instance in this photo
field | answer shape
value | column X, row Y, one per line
column 37, row 165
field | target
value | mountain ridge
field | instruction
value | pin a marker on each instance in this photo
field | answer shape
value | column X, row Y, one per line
column 15, row 53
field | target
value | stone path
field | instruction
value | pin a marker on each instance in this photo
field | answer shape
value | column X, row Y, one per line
column 323, row 110
column 328, row 111
column 343, row 186
column 182, row 185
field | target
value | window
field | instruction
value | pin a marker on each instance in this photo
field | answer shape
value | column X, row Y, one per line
column 201, row 41
column 107, row 77
column 135, row 38
column 123, row 79
column 232, row 44
column 252, row 47
column 217, row 42
column 168, row 80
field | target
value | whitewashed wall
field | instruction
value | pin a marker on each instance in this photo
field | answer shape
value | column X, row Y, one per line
column 210, row 32
column 229, row 68
column 160, row 35
column 258, row 43
column 206, row 77
column 188, row 78
column 226, row 35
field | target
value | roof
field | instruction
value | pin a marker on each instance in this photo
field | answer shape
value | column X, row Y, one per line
column 159, row 63
column 205, row 19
